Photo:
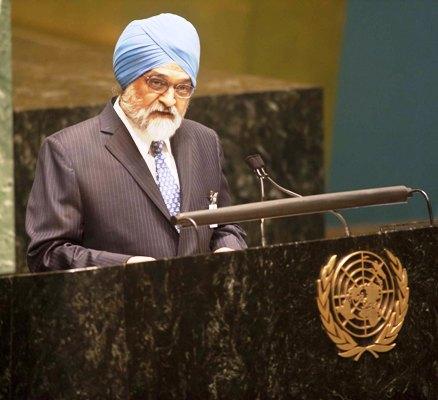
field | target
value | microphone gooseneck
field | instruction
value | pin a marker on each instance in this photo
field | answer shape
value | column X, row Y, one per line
column 257, row 165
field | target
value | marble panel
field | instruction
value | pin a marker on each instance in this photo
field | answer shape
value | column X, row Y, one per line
column 68, row 336
column 246, row 325
column 408, row 371
column 167, row 329
column 7, row 227
column 233, row 325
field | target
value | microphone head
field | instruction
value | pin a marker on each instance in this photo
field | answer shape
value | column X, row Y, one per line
column 255, row 161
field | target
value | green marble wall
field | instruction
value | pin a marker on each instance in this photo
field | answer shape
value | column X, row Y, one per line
column 7, row 249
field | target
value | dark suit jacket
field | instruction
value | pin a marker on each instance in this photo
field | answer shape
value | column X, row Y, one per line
column 95, row 202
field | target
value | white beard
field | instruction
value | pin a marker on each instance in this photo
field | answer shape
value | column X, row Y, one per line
column 153, row 128
column 163, row 128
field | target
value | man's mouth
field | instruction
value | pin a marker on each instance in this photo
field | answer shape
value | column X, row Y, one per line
column 164, row 114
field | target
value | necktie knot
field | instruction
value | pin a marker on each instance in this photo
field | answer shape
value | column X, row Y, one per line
column 157, row 147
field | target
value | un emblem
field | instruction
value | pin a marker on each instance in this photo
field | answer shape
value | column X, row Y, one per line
column 363, row 301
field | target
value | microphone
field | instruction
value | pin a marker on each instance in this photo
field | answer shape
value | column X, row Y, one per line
column 257, row 165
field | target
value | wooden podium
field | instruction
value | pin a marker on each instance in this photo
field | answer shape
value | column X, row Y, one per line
column 242, row 325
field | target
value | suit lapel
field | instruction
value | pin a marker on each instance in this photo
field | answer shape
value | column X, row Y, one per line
column 182, row 149
column 123, row 148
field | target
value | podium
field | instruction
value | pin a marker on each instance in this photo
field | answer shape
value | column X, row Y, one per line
column 241, row 325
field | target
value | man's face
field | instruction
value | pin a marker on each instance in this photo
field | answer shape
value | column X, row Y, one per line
column 158, row 115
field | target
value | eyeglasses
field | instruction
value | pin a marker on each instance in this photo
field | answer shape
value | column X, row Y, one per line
column 161, row 86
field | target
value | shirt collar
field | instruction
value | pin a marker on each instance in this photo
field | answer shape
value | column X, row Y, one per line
column 136, row 133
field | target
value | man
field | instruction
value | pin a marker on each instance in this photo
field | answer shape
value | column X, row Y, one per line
column 105, row 189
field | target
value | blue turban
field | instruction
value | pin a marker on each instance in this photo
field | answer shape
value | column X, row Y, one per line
column 148, row 43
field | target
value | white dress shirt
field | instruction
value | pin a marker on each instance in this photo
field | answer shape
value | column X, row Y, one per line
column 143, row 143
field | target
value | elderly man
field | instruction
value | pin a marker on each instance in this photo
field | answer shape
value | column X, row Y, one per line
column 105, row 189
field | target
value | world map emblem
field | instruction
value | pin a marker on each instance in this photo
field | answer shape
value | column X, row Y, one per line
column 363, row 300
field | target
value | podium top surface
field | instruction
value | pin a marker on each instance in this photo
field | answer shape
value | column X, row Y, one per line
column 369, row 240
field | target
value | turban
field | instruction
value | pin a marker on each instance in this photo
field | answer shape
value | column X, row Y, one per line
column 148, row 43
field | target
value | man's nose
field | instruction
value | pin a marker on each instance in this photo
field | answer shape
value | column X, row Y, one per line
column 168, row 97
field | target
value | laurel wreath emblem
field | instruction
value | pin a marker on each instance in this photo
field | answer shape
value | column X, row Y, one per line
column 384, row 340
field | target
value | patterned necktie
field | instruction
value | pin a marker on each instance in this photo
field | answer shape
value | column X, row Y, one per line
column 166, row 182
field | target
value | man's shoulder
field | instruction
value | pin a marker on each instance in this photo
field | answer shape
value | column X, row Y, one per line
column 79, row 130
column 196, row 127
column 72, row 137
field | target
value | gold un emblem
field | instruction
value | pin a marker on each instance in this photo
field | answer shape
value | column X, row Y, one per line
column 363, row 301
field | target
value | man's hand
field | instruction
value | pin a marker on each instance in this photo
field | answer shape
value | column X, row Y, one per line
column 139, row 259
column 223, row 250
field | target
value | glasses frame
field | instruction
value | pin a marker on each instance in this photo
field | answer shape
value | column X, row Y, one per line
column 168, row 85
